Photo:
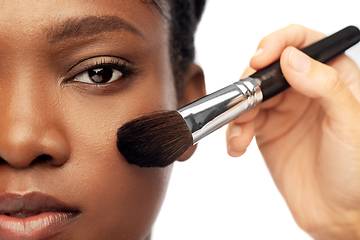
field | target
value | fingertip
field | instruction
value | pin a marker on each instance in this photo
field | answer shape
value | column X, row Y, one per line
column 239, row 138
column 235, row 131
column 235, row 154
column 258, row 60
column 263, row 57
column 295, row 66
column 318, row 81
column 271, row 47
column 308, row 76
column 233, row 149
column 235, row 143
column 259, row 52
column 297, row 60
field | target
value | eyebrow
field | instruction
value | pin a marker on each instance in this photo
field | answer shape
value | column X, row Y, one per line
column 89, row 26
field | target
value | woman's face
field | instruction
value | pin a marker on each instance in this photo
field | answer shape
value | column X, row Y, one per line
column 74, row 71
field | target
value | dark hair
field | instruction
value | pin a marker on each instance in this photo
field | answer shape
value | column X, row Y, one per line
column 184, row 18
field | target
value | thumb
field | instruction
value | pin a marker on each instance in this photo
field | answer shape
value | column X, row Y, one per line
column 321, row 82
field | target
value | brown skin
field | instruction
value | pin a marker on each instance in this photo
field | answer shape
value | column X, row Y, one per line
column 45, row 112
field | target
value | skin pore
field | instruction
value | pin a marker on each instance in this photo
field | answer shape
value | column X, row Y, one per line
column 58, row 129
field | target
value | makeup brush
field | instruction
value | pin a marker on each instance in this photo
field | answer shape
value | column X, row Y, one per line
column 160, row 138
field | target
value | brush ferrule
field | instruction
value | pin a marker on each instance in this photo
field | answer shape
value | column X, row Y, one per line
column 221, row 107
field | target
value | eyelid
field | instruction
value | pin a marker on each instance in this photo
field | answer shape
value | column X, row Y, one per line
column 116, row 63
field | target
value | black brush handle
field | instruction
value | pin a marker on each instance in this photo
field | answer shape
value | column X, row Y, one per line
column 271, row 77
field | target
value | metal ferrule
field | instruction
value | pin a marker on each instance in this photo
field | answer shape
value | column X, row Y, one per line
column 221, row 107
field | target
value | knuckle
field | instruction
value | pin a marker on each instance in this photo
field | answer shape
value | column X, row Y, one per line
column 283, row 36
column 296, row 27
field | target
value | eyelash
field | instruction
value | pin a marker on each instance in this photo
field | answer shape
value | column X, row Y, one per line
column 125, row 68
column 121, row 65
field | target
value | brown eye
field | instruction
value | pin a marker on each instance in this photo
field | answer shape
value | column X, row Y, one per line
column 98, row 75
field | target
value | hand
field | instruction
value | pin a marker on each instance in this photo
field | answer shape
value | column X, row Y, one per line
column 309, row 135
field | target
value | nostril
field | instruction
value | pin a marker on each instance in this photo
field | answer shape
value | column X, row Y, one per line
column 49, row 160
column 25, row 145
column 44, row 158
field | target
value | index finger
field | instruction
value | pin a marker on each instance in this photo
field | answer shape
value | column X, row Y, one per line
column 272, row 46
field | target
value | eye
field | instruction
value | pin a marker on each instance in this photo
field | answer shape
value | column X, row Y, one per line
column 100, row 71
column 99, row 75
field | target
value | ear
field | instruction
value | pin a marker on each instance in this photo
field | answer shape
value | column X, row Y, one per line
column 194, row 85
column 194, row 88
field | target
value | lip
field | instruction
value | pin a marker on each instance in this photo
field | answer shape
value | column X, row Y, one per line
column 33, row 216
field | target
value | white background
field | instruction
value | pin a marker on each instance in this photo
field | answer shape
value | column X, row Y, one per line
column 213, row 196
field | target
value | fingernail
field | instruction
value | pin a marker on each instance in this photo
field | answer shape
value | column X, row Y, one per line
column 258, row 52
column 235, row 131
column 299, row 61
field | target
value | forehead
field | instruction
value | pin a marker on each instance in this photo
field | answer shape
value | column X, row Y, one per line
column 30, row 16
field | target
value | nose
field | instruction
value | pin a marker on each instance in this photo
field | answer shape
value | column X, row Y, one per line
column 29, row 132
column 26, row 143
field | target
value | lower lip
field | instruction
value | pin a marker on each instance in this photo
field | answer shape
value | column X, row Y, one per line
column 41, row 226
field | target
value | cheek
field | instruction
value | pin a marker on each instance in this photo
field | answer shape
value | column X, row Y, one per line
column 125, row 197
column 117, row 198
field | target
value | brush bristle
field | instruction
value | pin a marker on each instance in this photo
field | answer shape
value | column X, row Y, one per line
column 154, row 140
